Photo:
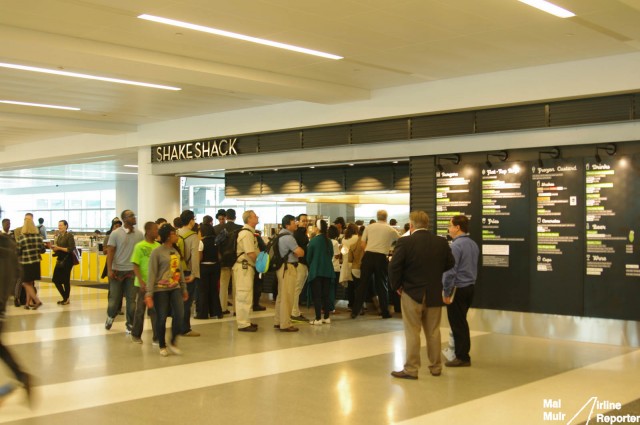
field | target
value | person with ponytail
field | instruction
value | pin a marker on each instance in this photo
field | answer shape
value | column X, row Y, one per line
column 321, row 274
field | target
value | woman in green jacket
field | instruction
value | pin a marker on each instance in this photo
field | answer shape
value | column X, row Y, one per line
column 321, row 275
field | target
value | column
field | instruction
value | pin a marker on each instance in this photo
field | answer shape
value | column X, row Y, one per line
column 158, row 196
column 126, row 196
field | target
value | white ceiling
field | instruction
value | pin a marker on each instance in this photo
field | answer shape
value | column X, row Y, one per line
column 384, row 43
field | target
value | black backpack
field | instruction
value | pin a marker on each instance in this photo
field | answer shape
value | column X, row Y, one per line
column 229, row 248
column 275, row 259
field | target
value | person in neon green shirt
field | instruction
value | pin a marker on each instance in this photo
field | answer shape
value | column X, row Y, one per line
column 140, row 259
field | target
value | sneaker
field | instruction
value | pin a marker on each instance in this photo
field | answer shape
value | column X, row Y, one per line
column 300, row 318
column 174, row 350
column 327, row 321
column 449, row 354
column 136, row 339
column 315, row 322
column 259, row 308
column 191, row 333
column 108, row 323
column 155, row 342
column 164, row 352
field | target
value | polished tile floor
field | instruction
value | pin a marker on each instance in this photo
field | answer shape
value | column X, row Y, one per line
column 330, row 374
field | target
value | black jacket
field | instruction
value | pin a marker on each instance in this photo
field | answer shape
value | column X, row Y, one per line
column 417, row 265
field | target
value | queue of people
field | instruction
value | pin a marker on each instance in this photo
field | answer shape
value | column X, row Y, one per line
column 167, row 269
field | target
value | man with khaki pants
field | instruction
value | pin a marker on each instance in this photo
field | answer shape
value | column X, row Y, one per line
column 244, row 271
column 287, row 274
column 415, row 272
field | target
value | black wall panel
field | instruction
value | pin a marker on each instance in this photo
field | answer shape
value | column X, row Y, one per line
column 247, row 144
column 380, row 131
column 423, row 186
column 361, row 179
column 326, row 136
column 586, row 111
column 401, row 178
column 323, row 180
column 280, row 182
column 288, row 140
column 242, row 184
column 514, row 118
column 443, row 125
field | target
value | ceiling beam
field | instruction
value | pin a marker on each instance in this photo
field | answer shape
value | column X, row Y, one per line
column 82, row 55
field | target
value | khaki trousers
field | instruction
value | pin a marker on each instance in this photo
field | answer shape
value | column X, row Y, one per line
column 287, row 278
column 243, row 280
column 225, row 279
column 303, row 272
column 417, row 316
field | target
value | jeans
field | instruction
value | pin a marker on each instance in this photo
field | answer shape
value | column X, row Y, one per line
column 208, row 304
column 122, row 284
column 162, row 301
column 138, row 320
column 186, row 321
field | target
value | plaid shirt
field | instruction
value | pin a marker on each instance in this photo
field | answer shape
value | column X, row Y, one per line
column 30, row 246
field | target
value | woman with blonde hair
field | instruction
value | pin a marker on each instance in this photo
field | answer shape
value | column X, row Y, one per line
column 30, row 247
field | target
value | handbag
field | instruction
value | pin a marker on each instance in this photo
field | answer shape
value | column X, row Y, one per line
column 75, row 256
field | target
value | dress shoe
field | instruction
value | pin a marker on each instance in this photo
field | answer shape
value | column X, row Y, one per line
column 259, row 308
column 226, row 312
column 436, row 373
column 289, row 329
column 458, row 363
column 248, row 329
column 402, row 375
column 276, row 326
column 255, row 325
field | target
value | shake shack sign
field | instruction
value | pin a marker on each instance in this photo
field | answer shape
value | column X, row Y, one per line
column 198, row 149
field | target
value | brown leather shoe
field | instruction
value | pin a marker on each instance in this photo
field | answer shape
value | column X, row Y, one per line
column 403, row 375
column 248, row 329
column 289, row 329
column 457, row 363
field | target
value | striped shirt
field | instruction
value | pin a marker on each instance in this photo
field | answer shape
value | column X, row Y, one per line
column 30, row 246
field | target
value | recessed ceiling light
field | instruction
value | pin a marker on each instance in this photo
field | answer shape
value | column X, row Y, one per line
column 237, row 36
column 39, row 105
column 551, row 8
column 85, row 76
column 350, row 165
column 313, row 166
column 130, row 166
column 395, row 162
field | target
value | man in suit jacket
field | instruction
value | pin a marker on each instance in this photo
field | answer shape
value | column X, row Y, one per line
column 415, row 273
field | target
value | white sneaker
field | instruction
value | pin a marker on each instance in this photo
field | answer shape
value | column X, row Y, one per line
column 327, row 321
column 449, row 353
column 164, row 352
column 315, row 322
column 175, row 350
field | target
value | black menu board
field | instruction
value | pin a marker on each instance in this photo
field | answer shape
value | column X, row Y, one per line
column 505, row 236
column 457, row 192
column 612, row 215
column 557, row 203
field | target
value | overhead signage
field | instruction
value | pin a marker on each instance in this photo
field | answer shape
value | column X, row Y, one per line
column 198, row 149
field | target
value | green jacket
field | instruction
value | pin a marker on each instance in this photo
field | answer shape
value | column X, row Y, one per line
column 319, row 255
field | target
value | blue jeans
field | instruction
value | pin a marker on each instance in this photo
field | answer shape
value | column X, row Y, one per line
column 122, row 285
column 162, row 301
column 191, row 289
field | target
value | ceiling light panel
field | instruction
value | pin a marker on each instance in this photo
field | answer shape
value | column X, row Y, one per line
column 85, row 76
column 39, row 105
column 548, row 7
column 237, row 36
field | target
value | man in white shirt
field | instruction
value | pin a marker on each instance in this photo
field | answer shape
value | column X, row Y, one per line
column 377, row 240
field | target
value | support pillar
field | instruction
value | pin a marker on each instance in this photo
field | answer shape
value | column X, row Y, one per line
column 158, row 196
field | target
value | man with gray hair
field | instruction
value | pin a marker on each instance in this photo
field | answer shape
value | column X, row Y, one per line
column 244, row 271
column 377, row 240
column 415, row 272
